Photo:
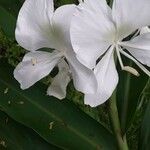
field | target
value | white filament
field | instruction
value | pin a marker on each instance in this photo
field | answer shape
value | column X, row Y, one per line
column 136, row 62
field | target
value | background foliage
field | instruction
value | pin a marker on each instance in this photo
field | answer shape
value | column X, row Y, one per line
column 30, row 119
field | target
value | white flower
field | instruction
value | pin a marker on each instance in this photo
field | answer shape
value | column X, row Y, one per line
column 38, row 26
column 98, row 32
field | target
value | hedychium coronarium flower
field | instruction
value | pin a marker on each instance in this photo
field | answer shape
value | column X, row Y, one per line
column 39, row 26
column 98, row 34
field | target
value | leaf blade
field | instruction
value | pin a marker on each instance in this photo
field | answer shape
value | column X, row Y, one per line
column 15, row 136
column 7, row 22
column 49, row 117
column 144, row 143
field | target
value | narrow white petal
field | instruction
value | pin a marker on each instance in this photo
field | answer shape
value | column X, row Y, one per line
column 92, row 31
column 139, row 47
column 34, row 67
column 83, row 78
column 145, row 30
column 61, row 26
column 33, row 29
column 60, row 82
column 136, row 62
column 107, row 78
column 130, row 15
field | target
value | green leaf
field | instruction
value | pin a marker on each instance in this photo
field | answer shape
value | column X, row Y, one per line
column 144, row 143
column 58, row 122
column 129, row 91
column 14, row 136
column 11, row 6
column 7, row 22
column 9, row 10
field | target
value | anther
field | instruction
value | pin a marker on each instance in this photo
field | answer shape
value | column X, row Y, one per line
column 131, row 70
column 51, row 125
column 34, row 61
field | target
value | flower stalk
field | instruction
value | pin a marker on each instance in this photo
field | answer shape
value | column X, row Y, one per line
column 121, row 139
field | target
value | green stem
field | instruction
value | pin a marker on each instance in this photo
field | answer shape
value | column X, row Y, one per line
column 121, row 140
column 126, row 100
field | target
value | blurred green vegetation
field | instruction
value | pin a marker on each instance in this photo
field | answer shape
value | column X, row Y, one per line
column 14, row 54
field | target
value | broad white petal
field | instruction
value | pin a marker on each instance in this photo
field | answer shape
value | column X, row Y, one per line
column 33, row 29
column 92, row 31
column 139, row 47
column 34, row 67
column 61, row 26
column 60, row 82
column 107, row 78
column 130, row 15
column 83, row 78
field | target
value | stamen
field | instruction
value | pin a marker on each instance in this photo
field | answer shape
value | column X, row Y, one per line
column 131, row 70
column 136, row 62
column 119, row 57
column 34, row 61
column 136, row 34
column 125, row 68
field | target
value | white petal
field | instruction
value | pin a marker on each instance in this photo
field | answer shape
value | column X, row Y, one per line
column 139, row 47
column 144, row 30
column 60, row 82
column 92, row 31
column 61, row 25
column 83, row 78
column 33, row 29
column 34, row 67
column 107, row 78
column 130, row 15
